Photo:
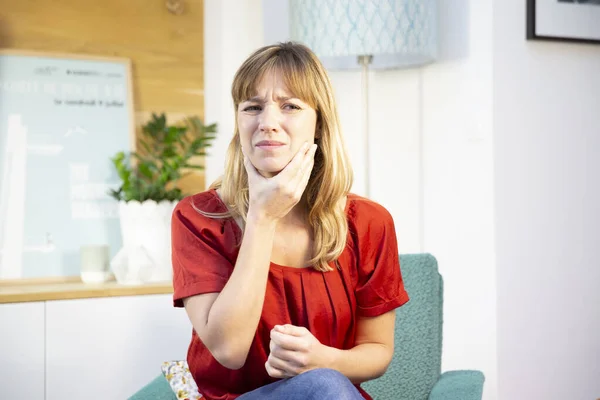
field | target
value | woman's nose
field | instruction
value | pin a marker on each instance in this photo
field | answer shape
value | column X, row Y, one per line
column 269, row 119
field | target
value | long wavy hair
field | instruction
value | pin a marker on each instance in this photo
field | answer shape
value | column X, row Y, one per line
column 331, row 177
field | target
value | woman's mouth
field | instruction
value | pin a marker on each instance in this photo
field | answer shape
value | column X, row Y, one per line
column 269, row 144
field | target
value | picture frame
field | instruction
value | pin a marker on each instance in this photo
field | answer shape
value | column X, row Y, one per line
column 62, row 116
column 564, row 20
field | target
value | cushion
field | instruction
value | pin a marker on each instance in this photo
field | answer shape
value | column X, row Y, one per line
column 180, row 379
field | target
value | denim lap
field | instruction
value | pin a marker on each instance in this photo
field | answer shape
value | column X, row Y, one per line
column 322, row 383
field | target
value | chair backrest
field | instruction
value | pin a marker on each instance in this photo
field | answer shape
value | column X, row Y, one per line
column 416, row 365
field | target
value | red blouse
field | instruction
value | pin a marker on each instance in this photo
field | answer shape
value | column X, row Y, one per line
column 368, row 283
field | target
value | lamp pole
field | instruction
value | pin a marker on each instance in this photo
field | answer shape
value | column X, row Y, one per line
column 365, row 61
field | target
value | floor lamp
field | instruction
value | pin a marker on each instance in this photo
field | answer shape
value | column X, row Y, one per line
column 366, row 35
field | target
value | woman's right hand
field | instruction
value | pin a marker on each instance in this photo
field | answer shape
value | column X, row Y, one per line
column 274, row 197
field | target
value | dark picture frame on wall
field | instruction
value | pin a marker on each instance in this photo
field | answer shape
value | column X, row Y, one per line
column 564, row 20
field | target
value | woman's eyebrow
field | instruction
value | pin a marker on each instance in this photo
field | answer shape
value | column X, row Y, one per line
column 259, row 99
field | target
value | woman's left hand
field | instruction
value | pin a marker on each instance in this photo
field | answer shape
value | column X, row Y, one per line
column 294, row 350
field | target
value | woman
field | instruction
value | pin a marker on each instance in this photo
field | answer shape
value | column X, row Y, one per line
column 290, row 282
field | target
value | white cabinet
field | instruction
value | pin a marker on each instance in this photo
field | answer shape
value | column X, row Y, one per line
column 102, row 348
column 109, row 348
column 22, row 351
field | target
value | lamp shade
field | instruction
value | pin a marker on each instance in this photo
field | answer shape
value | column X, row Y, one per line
column 396, row 33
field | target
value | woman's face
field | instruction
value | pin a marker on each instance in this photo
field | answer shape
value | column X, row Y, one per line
column 274, row 125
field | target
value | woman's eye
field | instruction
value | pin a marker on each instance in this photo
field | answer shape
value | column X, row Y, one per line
column 289, row 106
column 252, row 108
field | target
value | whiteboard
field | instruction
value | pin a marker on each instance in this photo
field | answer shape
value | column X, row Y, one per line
column 62, row 117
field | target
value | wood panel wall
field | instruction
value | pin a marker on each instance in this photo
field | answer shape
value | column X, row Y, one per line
column 166, row 47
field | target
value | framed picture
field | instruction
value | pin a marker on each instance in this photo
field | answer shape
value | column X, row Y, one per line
column 62, row 117
column 564, row 20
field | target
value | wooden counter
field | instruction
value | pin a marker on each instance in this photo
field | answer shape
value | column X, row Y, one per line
column 25, row 290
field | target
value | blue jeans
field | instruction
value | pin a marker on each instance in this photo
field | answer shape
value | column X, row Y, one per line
column 322, row 384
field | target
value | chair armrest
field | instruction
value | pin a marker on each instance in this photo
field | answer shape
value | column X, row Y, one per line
column 158, row 389
column 458, row 385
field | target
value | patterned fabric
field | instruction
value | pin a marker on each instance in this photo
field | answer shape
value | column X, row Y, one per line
column 397, row 33
column 180, row 379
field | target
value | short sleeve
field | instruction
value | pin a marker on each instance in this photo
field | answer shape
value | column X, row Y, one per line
column 198, row 254
column 380, row 287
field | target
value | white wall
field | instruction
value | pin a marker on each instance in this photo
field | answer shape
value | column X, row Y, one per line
column 547, row 195
column 394, row 144
column 232, row 30
column 458, row 184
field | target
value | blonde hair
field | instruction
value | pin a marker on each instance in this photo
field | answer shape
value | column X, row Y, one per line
column 331, row 177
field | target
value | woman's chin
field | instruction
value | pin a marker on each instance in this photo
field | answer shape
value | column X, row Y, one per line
column 270, row 168
column 269, row 172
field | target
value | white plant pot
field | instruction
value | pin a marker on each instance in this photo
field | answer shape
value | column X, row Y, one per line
column 146, row 252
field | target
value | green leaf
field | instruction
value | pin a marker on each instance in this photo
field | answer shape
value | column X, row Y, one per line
column 168, row 150
column 190, row 166
column 145, row 170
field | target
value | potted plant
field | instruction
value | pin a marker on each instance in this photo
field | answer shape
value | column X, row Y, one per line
column 148, row 192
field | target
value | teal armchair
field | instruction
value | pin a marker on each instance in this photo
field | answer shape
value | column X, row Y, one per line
column 415, row 371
